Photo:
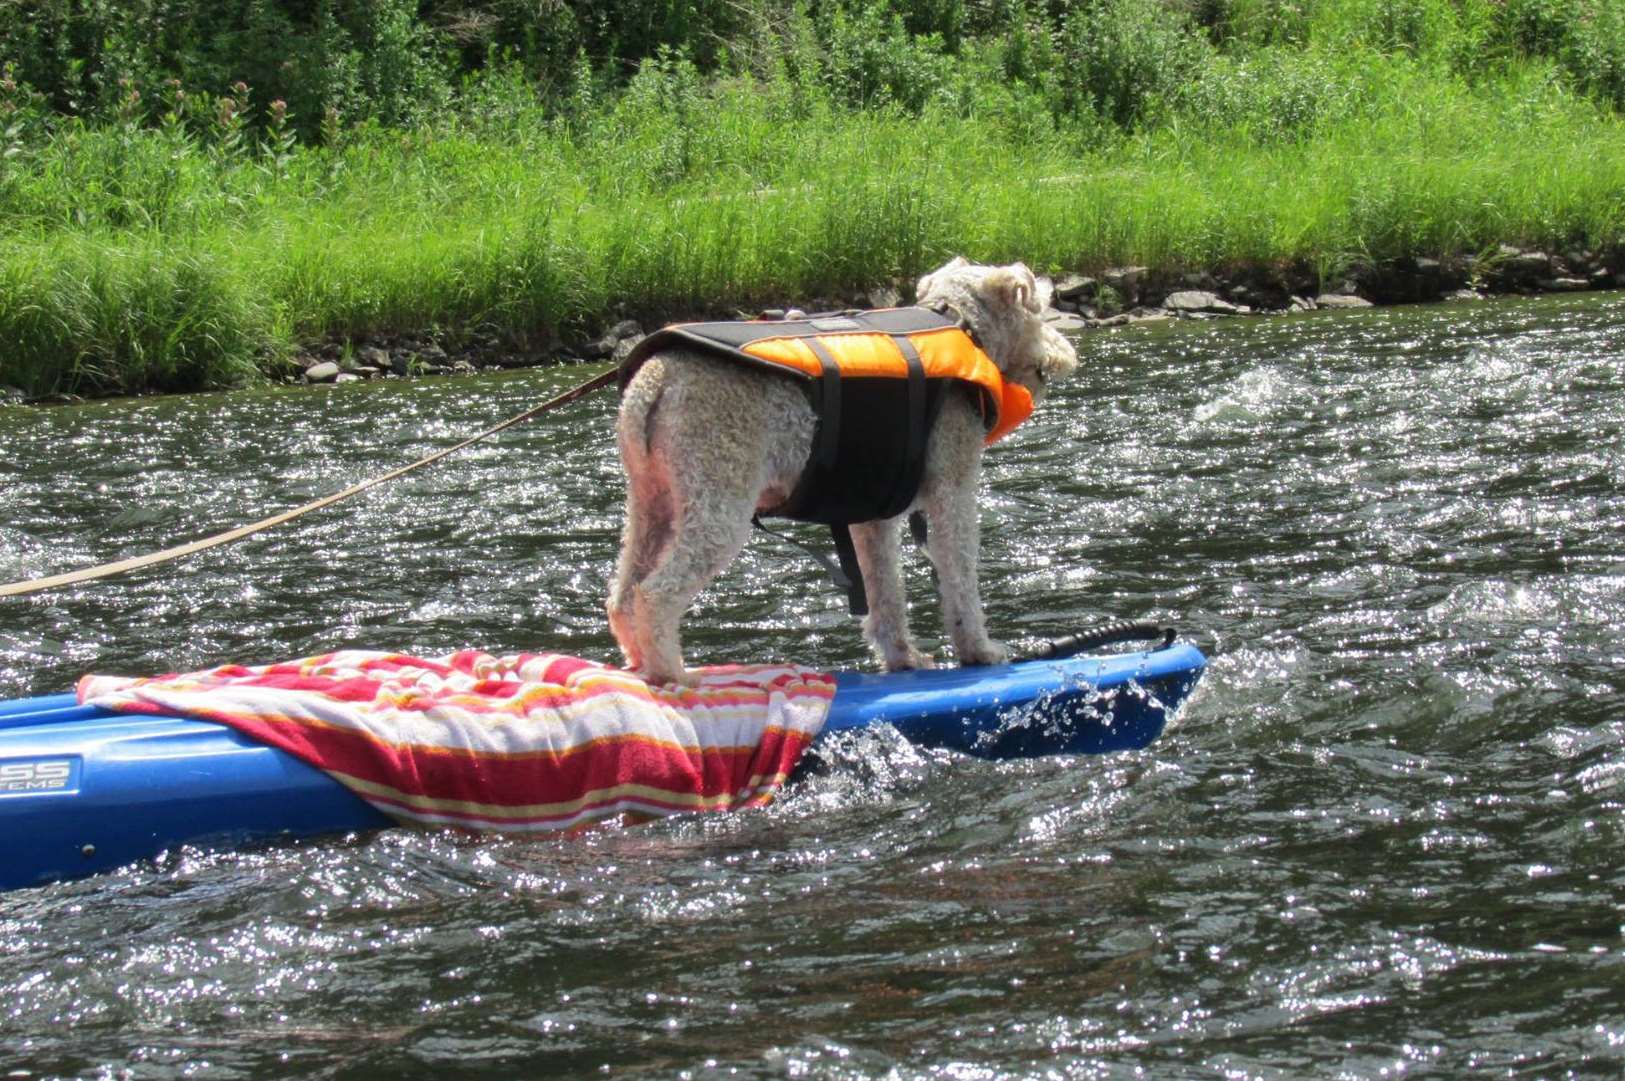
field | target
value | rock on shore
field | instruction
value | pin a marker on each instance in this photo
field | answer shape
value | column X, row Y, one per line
column 1126, row 294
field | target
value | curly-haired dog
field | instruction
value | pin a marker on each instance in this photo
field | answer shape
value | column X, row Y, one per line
column 707, row 443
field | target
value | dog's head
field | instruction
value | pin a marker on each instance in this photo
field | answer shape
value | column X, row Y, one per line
column 1004, row 306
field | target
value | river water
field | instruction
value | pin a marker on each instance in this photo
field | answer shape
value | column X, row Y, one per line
column 1384, row 837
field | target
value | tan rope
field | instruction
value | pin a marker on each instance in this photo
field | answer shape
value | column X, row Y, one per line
column 107, row 570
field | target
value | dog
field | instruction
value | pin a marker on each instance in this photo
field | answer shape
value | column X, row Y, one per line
column 706, row 444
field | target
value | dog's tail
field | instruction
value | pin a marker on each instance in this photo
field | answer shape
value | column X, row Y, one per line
column 640, row 401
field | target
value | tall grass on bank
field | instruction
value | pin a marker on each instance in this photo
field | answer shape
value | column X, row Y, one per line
column 95, row 314
column 193, row 250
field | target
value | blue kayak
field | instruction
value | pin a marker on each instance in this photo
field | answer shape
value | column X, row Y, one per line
column 84, row 790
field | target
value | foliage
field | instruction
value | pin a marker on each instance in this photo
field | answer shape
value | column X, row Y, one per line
column 1276, row 96
column 1120, row 59
column 873, row 60
column 404, row 62
column 361, row 58
column 188, row 190
column 1594, row 51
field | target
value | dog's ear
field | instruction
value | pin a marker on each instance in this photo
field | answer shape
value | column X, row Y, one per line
column 1045, row 293
column 1060, row 357
column 1016, row 287
column 925, row 284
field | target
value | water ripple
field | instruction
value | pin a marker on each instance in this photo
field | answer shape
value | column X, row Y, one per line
column 1381, row 839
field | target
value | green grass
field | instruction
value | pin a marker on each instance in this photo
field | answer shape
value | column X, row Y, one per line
column 135, row 257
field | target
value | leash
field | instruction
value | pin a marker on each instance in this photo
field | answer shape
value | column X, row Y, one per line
column 123, row 566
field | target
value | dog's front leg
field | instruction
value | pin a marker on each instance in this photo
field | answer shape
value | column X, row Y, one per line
column 954, row 545
column 886, row 625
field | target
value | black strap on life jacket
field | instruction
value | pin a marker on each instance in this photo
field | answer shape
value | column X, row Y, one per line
column 844, row 570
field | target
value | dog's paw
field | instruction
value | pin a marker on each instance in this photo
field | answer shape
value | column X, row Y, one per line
column 908, row 660
column 682, row 678
column 985, row 652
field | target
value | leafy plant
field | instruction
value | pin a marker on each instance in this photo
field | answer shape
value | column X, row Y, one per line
column 1123, row 59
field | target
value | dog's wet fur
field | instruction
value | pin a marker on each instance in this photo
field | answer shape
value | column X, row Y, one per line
column 707, row 443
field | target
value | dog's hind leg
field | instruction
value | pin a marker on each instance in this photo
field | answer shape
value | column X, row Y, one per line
column 648, row 532
column 649, row 513
column 704, row 541
column 886, row 625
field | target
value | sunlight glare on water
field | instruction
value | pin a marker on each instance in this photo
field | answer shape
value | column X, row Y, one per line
column 1383, row 839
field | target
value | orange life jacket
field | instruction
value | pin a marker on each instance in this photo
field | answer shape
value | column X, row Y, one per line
column 876, row 380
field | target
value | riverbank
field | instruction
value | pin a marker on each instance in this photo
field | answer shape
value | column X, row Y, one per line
column 1119, row 296
column 140, row 254
column 1112, row 296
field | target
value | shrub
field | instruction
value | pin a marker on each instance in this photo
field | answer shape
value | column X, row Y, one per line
column 1121, row 59
column 1537, row 27
column 1595, row 52
column 1422, row 28
column 660, row 114
column 365, row 58
column 872, row 59
column 1253, row 23
column 1272, row 94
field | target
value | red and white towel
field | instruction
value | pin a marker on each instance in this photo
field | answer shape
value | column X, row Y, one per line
column 530, row 742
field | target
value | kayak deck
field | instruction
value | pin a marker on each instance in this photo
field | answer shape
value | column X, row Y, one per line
column 84, row 790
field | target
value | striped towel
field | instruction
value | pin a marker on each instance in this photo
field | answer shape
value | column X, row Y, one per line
column 530, row 742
